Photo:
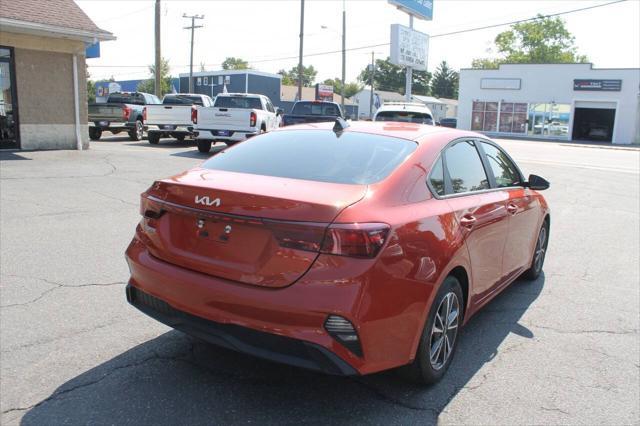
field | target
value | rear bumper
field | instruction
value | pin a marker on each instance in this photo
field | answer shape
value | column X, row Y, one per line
column 234, row 135
column 242, row 339
column 170, row 129
column 113, row 126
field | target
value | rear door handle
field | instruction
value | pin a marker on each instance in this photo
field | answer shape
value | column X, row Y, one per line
column 468, row 221
column 512, row 208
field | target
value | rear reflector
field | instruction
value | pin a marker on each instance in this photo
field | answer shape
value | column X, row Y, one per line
column 355, row 239
column 343, row 331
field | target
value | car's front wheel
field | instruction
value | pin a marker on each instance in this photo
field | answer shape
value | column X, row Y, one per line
column 438, row 341
column 154, row 138
column 95, row 133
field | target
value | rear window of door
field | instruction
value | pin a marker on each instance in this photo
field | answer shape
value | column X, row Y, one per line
column 504, row 171
column 465, row 169
column 317, row 155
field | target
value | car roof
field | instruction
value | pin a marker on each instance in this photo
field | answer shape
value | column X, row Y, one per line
column 420, row 133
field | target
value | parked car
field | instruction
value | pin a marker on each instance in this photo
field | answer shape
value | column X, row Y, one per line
column 312, row 112
column 233, row 118
column 449, row 122
column 123, row 112
column 174, row 117
column 348, row 249
column 405, row 112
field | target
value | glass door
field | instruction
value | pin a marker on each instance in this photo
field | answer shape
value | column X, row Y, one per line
column 8, row 110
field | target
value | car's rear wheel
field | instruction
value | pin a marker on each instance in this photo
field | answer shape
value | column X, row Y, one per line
column 154, row 138
column 204, row 146
column 95, row 133
column 539, row 254
column 137, row 133
column 438, row 341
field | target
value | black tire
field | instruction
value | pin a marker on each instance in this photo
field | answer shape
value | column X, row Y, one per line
column 179, row 138
column 95, row 133
column 204, row 146
column 230, row 143
column 137, row 133
column 154, row 138
column 423, row 369
column 539, row 254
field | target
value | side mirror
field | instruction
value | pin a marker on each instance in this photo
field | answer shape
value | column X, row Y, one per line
column 538, row 183
column 279, row 111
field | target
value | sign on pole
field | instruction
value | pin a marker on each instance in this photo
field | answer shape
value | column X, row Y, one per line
column 409, row 48
column 421, row 9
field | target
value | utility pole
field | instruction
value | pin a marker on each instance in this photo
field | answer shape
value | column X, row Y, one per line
column 373, row 70
column 344, row 52
column 300, row 67
column 192, row 28
column 409, row 76
column 158, row 85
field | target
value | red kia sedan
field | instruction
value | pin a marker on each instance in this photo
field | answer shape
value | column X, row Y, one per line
column 347, row 249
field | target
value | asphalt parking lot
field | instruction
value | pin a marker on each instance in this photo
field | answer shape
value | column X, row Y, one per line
column 564, row 349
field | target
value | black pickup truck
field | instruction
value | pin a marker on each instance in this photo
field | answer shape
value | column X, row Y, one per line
column 312, row 112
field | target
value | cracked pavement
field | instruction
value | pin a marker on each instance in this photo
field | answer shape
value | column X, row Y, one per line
column 562, row 350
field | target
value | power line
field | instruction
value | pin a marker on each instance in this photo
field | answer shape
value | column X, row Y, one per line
column 372, row 46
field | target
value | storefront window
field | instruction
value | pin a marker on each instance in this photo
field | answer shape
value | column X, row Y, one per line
column 549, row 120
column 484, row 116
column 8, row 122
column 513, row 117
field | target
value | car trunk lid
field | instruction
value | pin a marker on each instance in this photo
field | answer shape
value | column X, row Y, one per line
column 257, row 230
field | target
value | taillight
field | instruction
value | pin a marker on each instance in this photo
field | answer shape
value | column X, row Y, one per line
column 144, row 114
column 126, row 112
column 355, row 239
column 252, row 119
column 194, row 115
column 298, row 236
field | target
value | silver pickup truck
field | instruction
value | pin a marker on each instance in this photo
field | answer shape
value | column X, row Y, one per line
column 174, row 117
column 123, row 112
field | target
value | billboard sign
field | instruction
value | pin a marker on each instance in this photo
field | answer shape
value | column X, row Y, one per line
column 422, row 9
column 409, row 48
column 324, row 92
column 598, row 85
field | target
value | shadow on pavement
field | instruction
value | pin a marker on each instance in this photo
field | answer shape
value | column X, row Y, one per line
column 197, row 154
column 175, row 379
column 10, row 156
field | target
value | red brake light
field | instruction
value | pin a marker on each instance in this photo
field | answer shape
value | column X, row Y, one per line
column 194, row 115
column 299, row 236
column 144, row 114
column 355, row 239
column 252, row 119
column 126, row 112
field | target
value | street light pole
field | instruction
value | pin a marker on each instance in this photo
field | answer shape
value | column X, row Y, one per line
column 300, row 67
column 192, row 28
column 373, row 70
column 344, row 53
column 158, row 85
column 409, row 75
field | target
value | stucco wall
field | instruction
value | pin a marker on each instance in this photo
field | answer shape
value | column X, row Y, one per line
column 545, row 83
column 44, row 85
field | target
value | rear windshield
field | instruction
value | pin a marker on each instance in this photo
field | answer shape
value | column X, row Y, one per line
column 182, row 100
column 317, row 155
column 238, row 102
column 126, row 98
column 407, row 116
column 313, row 108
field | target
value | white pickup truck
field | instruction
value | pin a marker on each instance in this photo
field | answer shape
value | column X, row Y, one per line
column 233, row 118
column 174, row 117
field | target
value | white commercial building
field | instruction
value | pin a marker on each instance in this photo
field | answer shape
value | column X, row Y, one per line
column 552, row 101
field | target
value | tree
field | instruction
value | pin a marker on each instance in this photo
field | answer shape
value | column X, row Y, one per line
column 91, row 88
column 232, row 63
column 350, row 89
column 445, row 82
column 290, row 78
column 542, row 41
column 392, row 78
column 148, row 86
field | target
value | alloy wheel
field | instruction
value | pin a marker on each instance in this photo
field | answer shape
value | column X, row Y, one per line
column 444, row 331
column 139, row 130
column 541, row 247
